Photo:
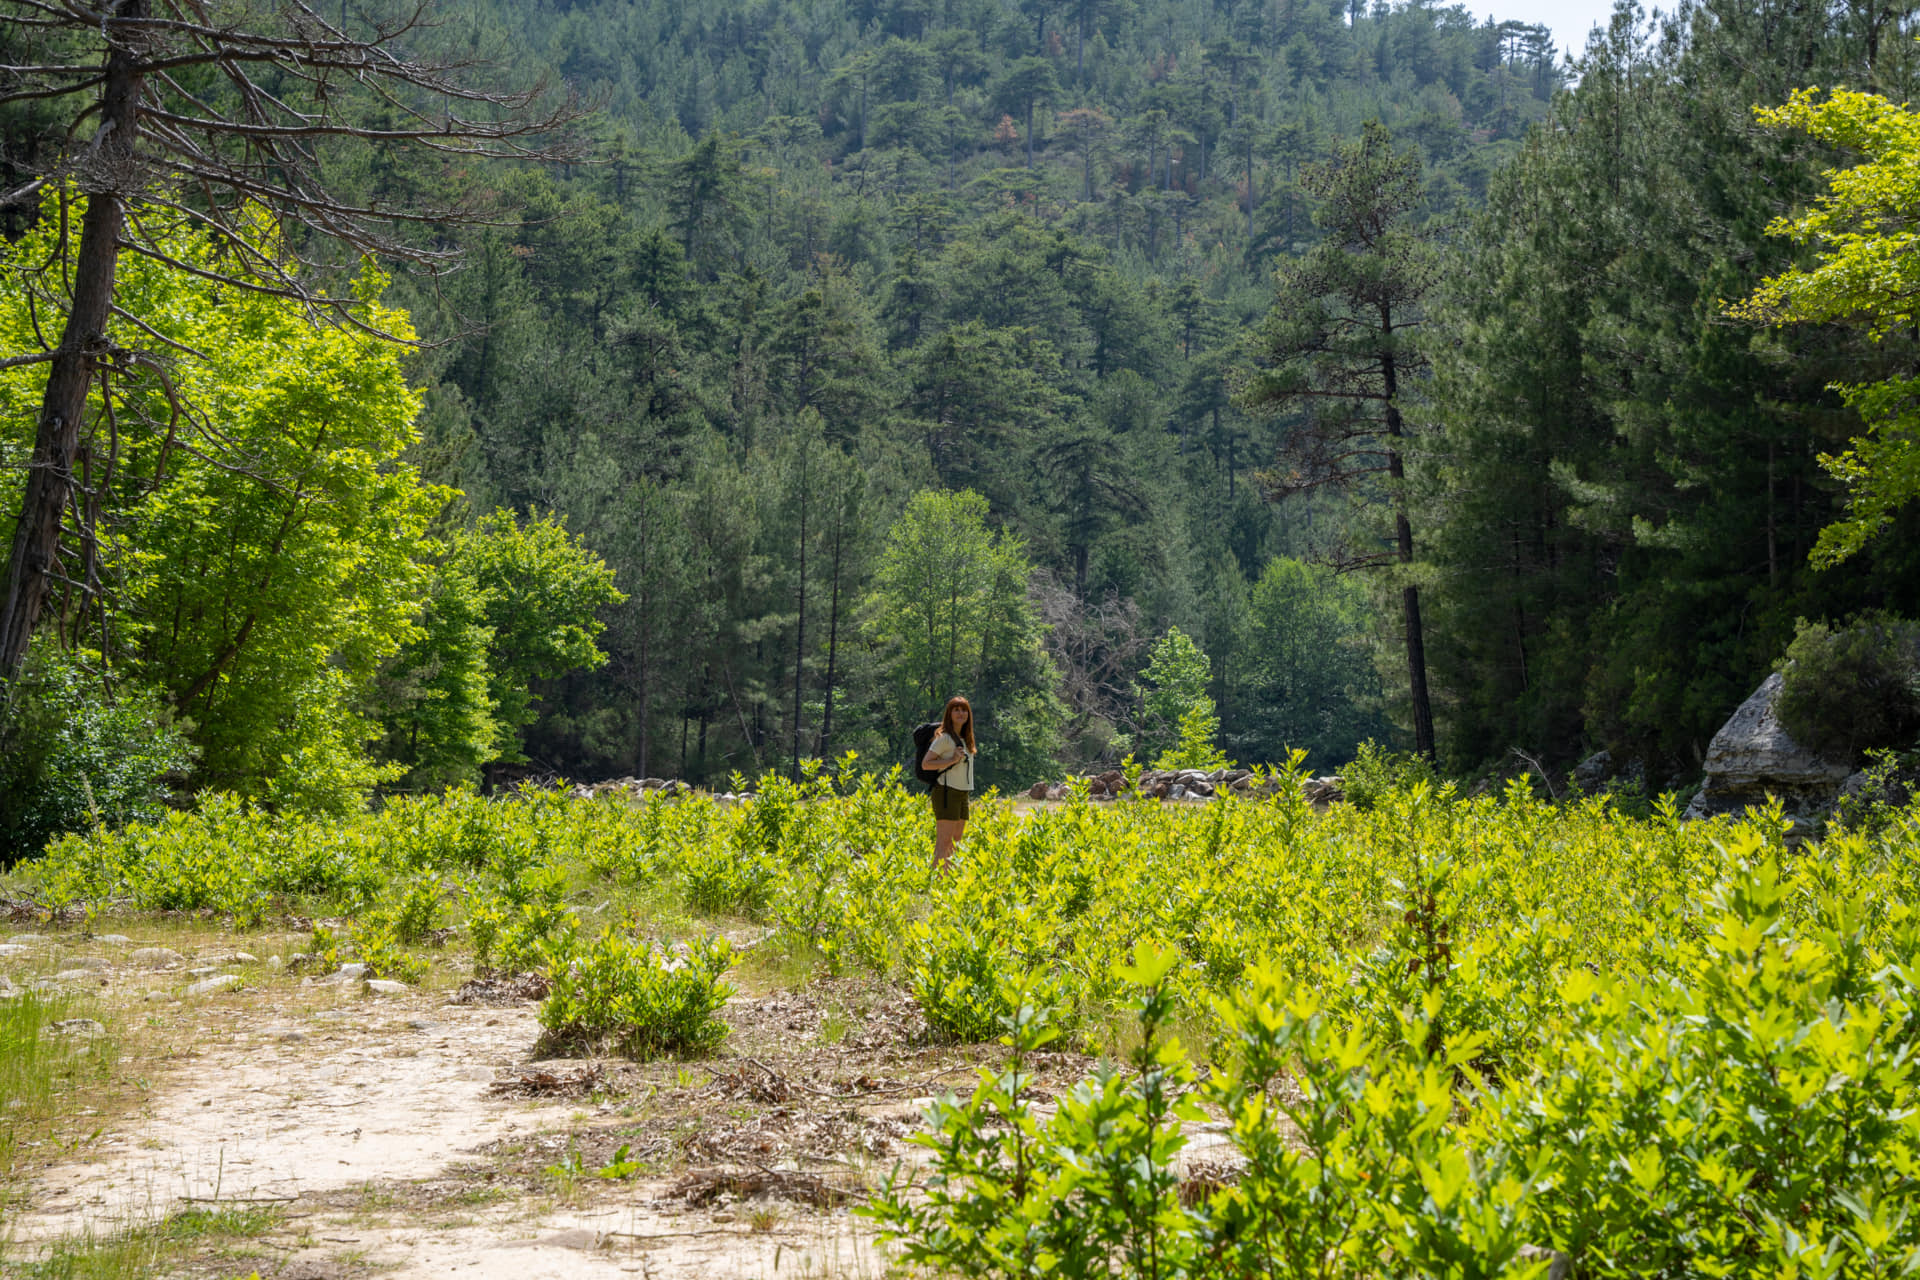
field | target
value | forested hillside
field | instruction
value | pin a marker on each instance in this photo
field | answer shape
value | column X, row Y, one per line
column 866, row 353
column 834, row 256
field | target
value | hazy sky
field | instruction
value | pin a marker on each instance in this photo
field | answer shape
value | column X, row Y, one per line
column 1570, row 19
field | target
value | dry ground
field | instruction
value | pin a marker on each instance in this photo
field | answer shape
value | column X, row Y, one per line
column 301, row 1128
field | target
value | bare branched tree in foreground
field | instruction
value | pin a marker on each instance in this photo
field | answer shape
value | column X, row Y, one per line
column 198, row 111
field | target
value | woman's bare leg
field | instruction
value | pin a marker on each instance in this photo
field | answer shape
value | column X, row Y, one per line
column 945, row 833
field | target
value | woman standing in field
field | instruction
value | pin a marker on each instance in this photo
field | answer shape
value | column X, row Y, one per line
column 951, row 754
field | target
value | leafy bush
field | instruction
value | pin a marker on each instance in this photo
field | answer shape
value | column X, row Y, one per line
column 1849, row 691
column 1748, row 1110
column 74, row 755
column 628, row 996
column 1376, row 771
column 515, row 925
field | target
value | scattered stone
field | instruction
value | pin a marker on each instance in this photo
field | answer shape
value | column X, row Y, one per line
column 286, row 1035
column 1177, row 792
column 334, row 1015
column 231, row 958
column 1038, row 791
column 387, row 987
column 209, row 986
column 420, row 1024
column 1753, row 756
column 1326, row 790
column 273, row 962
column 350, row 972
column 201, row 971
column 88, row 962
column 112, row 939
column 29, row 940
column 78, row 975
column 156, row 957
column 77, row 1028
column 585, row 1239
column 10, row 949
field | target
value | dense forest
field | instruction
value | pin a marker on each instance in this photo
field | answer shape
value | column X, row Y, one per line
column 866, row 353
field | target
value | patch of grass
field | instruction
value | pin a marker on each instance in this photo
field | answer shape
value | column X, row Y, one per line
column 783, row 962
column 152, row 1250
column 220, row 1223
column 43, row 1074
column 126, row 1258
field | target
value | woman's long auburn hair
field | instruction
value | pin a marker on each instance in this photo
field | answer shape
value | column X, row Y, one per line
column 946, row 721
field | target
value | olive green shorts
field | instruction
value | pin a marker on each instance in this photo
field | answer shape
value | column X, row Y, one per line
column 949, row 804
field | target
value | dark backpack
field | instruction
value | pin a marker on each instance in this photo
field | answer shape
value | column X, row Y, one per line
column 922, row 739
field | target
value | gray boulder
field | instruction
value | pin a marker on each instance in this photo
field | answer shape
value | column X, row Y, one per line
column 1753, row 756
column 1590, row 773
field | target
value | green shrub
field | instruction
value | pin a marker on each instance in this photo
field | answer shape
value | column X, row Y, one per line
column 77, row 752
column 1850, row 691
column 631, row 998
column 515, row 924
column 1752, row 1109
column 1376, row 771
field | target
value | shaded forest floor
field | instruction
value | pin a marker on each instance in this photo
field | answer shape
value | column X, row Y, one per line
column 312, row 1130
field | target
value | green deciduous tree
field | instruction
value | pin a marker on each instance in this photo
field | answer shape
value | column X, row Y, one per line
column 542, row 592
column 1868, row 273
column 261, row 543
column 1305, row 674
column 951, row 613
column 1176, row 711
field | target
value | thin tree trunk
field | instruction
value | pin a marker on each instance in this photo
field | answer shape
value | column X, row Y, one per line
column 1403, row 538
column 800, row 625
column 34, row 561
column 833, row 642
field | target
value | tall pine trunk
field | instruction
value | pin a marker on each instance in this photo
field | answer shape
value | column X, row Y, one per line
column 1403, row 542
column 34, row 564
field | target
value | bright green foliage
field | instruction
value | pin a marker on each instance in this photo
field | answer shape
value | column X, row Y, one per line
column 1195, row 748
column 1451, row 1037
column 1863, row 230
column 950, row 614
column 511, row 603
column 77, row 751
column 1093, row 1189
column 267, row 533
column 436, row 706
column 1174, row 695
column 633, row 999
column 1743, row 1104
column 1375, row 772
column 543, row 590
